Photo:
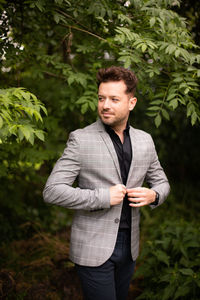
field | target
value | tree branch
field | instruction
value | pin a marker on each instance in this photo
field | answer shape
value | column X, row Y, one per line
column 86, row 31
column 54, row 75
column 70, row 17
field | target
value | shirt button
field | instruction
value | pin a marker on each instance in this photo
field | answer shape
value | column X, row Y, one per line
column 116, row 220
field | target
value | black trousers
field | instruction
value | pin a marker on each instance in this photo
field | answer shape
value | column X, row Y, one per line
column 111, row 280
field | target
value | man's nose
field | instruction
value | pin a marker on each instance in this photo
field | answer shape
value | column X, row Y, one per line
column 106, row 103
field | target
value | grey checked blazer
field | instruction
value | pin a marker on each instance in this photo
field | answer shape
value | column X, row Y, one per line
column 90, row 158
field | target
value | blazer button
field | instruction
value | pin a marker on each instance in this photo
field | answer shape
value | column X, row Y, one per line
column 116, row 220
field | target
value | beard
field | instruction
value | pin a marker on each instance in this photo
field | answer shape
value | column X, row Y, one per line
column 112, row 120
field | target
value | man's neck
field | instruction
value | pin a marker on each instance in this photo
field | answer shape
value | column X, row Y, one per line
column 119, row 130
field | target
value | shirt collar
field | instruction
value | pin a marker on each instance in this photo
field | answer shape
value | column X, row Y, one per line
column 110, row 130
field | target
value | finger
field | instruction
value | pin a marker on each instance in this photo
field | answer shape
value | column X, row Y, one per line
column 124, row 188
column 140, row 204
column 136, row 189
column 121, row 186
column 122, row 191
column 136, row 199
column 136, row 195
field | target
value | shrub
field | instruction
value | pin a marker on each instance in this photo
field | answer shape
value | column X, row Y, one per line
column 169, row 262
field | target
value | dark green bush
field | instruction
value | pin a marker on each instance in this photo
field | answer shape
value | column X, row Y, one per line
column 169, row 262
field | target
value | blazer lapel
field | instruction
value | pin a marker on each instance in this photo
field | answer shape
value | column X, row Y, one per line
column 134, row 153
column 109, row 144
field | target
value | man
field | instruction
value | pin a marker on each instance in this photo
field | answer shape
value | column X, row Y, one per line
column 111, row 160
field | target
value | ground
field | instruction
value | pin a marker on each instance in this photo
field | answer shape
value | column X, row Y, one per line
column 38, row 268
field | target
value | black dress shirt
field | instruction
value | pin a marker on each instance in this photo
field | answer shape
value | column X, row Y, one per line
column 124, row 154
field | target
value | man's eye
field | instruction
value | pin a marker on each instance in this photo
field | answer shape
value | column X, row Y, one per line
column 100, row 99
column 115, row 99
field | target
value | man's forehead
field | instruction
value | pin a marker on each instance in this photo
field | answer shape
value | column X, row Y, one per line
column 118, row 86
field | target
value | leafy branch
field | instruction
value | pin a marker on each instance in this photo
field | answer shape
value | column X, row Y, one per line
column 20, row 115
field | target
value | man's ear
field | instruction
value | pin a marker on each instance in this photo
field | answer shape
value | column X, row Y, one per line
column 132, row 103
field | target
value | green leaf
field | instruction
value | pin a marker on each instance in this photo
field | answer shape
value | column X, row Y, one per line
column 156, row 102
column 26, row 131
column 70, row 79
column 20, row 134
column 159, row 95
column 173, row 103
column 171, row 96
column 177, row 53
column 182, row 291
column 154, row 108
column 187, row 272
column 178, row 79
column 168, row 292
column 192, row 83
column 92, row 106
column 58, row 1
column 165, row 278
column 170, row 49
column 81, row 100
column 44, row 109
column 183, row 85
column 39, row 134
column 84, row 108
column 186, row 91
column 162, row 256
column 13, row 129
column 127, row 62
column 25, row 95
column 6, row 115
column 152, row 21
column 37, row 116
column 39, row 5
column 1, row 122
column 144, row 47
column 56, row 18
column 31, row 138
column 165, row 114
column 151, row 74
column 190, row 109
column 157, row 120
column 194, row 118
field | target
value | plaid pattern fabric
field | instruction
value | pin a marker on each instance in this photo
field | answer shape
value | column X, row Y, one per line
column 90, row 158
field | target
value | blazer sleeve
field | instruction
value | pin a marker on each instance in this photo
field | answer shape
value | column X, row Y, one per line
column 58, row 189
column 156, row 178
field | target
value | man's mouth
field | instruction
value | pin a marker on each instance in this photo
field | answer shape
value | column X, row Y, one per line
column 106, row 114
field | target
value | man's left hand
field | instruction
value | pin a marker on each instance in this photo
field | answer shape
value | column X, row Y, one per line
column 140, row 196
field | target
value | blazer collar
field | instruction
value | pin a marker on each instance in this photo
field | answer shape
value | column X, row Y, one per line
column 134, row 152
column 109, row 144
column 100, row 126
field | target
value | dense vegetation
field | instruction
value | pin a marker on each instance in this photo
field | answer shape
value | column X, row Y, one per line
column 50, row 52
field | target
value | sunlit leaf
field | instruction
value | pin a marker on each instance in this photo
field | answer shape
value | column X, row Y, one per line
column 1, row 122
column 39, row 134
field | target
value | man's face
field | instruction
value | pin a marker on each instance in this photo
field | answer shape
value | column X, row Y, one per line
column 114, row 105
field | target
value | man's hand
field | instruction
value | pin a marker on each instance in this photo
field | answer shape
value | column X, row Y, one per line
column 117, row 194
column 140, row 196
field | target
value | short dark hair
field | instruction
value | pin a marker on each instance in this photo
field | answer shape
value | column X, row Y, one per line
column 116, row 74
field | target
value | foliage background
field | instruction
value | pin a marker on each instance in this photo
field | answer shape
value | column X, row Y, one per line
column 50, row 52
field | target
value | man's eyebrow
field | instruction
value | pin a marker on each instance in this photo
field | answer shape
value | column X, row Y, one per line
column 112, row 96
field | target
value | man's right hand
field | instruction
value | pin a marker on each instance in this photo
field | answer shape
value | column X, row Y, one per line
column 117, row 194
